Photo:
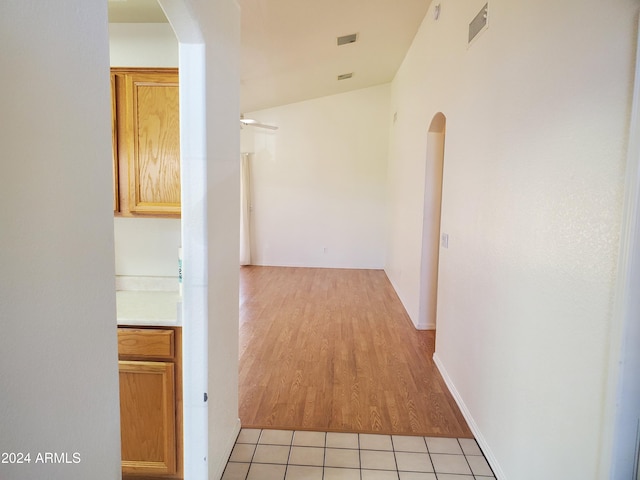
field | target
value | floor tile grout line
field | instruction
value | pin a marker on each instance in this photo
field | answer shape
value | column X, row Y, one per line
column 324, row 455
column 395, row 459
column 433, row 466
column 359, row 457
column 466, row 460
column 255, row 448
column 286, row 467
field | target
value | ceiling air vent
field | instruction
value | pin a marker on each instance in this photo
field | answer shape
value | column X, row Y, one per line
column 345, row 39
column 479, row 23
column 344, row 76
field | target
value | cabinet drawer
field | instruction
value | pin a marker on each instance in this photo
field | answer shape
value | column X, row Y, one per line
column 146, row 343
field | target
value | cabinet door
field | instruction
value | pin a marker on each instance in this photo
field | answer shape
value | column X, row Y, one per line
column 152, row 134
column 147, row 417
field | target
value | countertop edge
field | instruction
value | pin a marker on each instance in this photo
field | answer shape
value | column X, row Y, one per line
column 136, row 322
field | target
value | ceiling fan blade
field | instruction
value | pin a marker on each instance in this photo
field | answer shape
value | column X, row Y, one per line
column 254, row 123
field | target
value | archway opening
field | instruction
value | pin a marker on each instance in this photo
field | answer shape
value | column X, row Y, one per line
column 192, row 66
column 432, row 207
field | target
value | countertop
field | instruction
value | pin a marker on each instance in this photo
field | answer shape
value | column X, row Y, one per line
column 148, row 308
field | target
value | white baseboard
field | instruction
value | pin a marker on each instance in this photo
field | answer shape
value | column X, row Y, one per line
column 493, row 461
column 426, row 326
column 221, row 462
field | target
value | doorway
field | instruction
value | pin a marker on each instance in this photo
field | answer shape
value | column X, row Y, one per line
column 431, row 222
column 155, row 47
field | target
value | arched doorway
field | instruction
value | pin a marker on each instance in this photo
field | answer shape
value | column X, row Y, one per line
column 431, row 222
column 192, row 64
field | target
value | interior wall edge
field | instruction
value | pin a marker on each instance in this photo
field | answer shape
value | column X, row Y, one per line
column 618, row 428
column 475, row 429
column 221, row 462
column 399, row 293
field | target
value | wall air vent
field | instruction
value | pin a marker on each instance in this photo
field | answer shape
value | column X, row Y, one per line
column 479, row 23
column 345, row 39
column 344, row 76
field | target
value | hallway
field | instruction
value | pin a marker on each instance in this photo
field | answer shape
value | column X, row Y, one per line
column 333, row 350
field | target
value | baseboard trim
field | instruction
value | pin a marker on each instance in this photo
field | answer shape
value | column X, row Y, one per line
column 488, row 453
column 426, row 326
column 231, row 441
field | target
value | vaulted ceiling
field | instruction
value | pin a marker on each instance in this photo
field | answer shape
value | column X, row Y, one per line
column 289, row 50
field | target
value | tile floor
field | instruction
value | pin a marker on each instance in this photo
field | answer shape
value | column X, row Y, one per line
column 300, row 455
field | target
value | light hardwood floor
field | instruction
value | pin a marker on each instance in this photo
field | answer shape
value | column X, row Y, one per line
column 334, row 350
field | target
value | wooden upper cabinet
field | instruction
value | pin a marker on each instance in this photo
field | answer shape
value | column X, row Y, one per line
column 147, row 141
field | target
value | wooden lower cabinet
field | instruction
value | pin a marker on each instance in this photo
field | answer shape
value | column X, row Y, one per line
column 150, row 402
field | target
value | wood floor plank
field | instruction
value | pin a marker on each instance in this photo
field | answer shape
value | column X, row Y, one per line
column 334, row 350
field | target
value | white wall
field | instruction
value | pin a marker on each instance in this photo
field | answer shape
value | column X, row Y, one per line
column 145, row 247
column 142, row 45
column 319, row 181
column 58, row 351
column 209, row 35
column 537, row 116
